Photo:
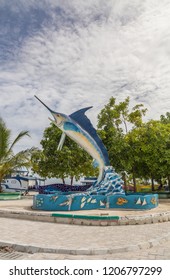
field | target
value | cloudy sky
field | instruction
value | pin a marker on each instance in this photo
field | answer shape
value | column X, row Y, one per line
column 76, row 53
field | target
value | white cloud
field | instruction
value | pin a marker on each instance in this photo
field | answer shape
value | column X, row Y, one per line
column 80, row 53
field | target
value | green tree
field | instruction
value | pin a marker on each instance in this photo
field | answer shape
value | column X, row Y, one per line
column 151, row 144
column 9, row 161
column 72, row 161
column 114, row 123
column 119, row 115
column 165, row 119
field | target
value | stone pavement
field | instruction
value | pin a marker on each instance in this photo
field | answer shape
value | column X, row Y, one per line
column 160, row 252
column 77, row 242
column 41, row 240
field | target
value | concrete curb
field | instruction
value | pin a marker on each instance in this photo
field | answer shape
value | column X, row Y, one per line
column 87, row 251
column 87, row 220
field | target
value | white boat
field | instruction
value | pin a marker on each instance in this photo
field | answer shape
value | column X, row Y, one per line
column 18, row 183
column 138, row 201
column 88, row 180
column 141, row 202
column 144, row 202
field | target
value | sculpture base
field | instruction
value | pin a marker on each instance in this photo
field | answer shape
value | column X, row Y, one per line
column 75, row 201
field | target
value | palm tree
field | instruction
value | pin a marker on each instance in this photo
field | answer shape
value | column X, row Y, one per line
column 9, row 161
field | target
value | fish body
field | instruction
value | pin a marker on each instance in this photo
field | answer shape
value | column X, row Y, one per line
column 121, row 201
column 78, row 127
column 83, row 199
column 102, row 203
column 93, row 201
column 54, row 198
column 67, row 202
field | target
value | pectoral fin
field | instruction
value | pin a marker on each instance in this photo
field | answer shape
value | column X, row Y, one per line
column 52, row 121
column 62, row 139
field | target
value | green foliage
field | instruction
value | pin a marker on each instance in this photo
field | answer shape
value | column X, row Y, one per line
column 114, row 123
column 71, row 161
column 118, row 115
column 165, row 119
column 141, row 149
column 150, row 149
column 9, row 161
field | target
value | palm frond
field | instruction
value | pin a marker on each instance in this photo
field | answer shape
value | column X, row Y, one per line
column 9, row 161
column 21, row 159
column 4, row 139
column 18, row 138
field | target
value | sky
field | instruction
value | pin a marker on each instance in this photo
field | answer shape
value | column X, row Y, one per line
column 75, row 53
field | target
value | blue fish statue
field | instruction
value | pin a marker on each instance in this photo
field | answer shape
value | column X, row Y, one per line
column 79, row 128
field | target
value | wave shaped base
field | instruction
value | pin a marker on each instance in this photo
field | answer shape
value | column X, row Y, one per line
column 108, row 194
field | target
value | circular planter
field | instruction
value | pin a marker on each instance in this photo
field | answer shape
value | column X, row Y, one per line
column 10, row 196
column 73, row 202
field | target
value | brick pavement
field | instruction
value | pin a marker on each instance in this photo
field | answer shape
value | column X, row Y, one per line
column 74, row 241
column 62, row 241
column 160, row 252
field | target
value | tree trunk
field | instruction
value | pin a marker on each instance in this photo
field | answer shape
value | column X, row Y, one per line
column 152, row 183
column 72, row 178
column 0, row 185
column 63, row 180
column 124, row 179
column 169, row 182
column 134, row 180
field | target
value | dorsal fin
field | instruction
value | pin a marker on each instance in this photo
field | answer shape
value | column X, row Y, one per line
column 80, row 117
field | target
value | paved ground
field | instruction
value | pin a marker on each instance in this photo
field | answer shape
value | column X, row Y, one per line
column 149, row 241
column 161, row 252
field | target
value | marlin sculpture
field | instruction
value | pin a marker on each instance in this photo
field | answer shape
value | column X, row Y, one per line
column 79, row 128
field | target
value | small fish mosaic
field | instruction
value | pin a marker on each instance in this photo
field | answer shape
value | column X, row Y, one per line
column 154, row 201
column 39, row 202
column 103, row 202
column 121, row 201
column 87, row 200
column 53, row 198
